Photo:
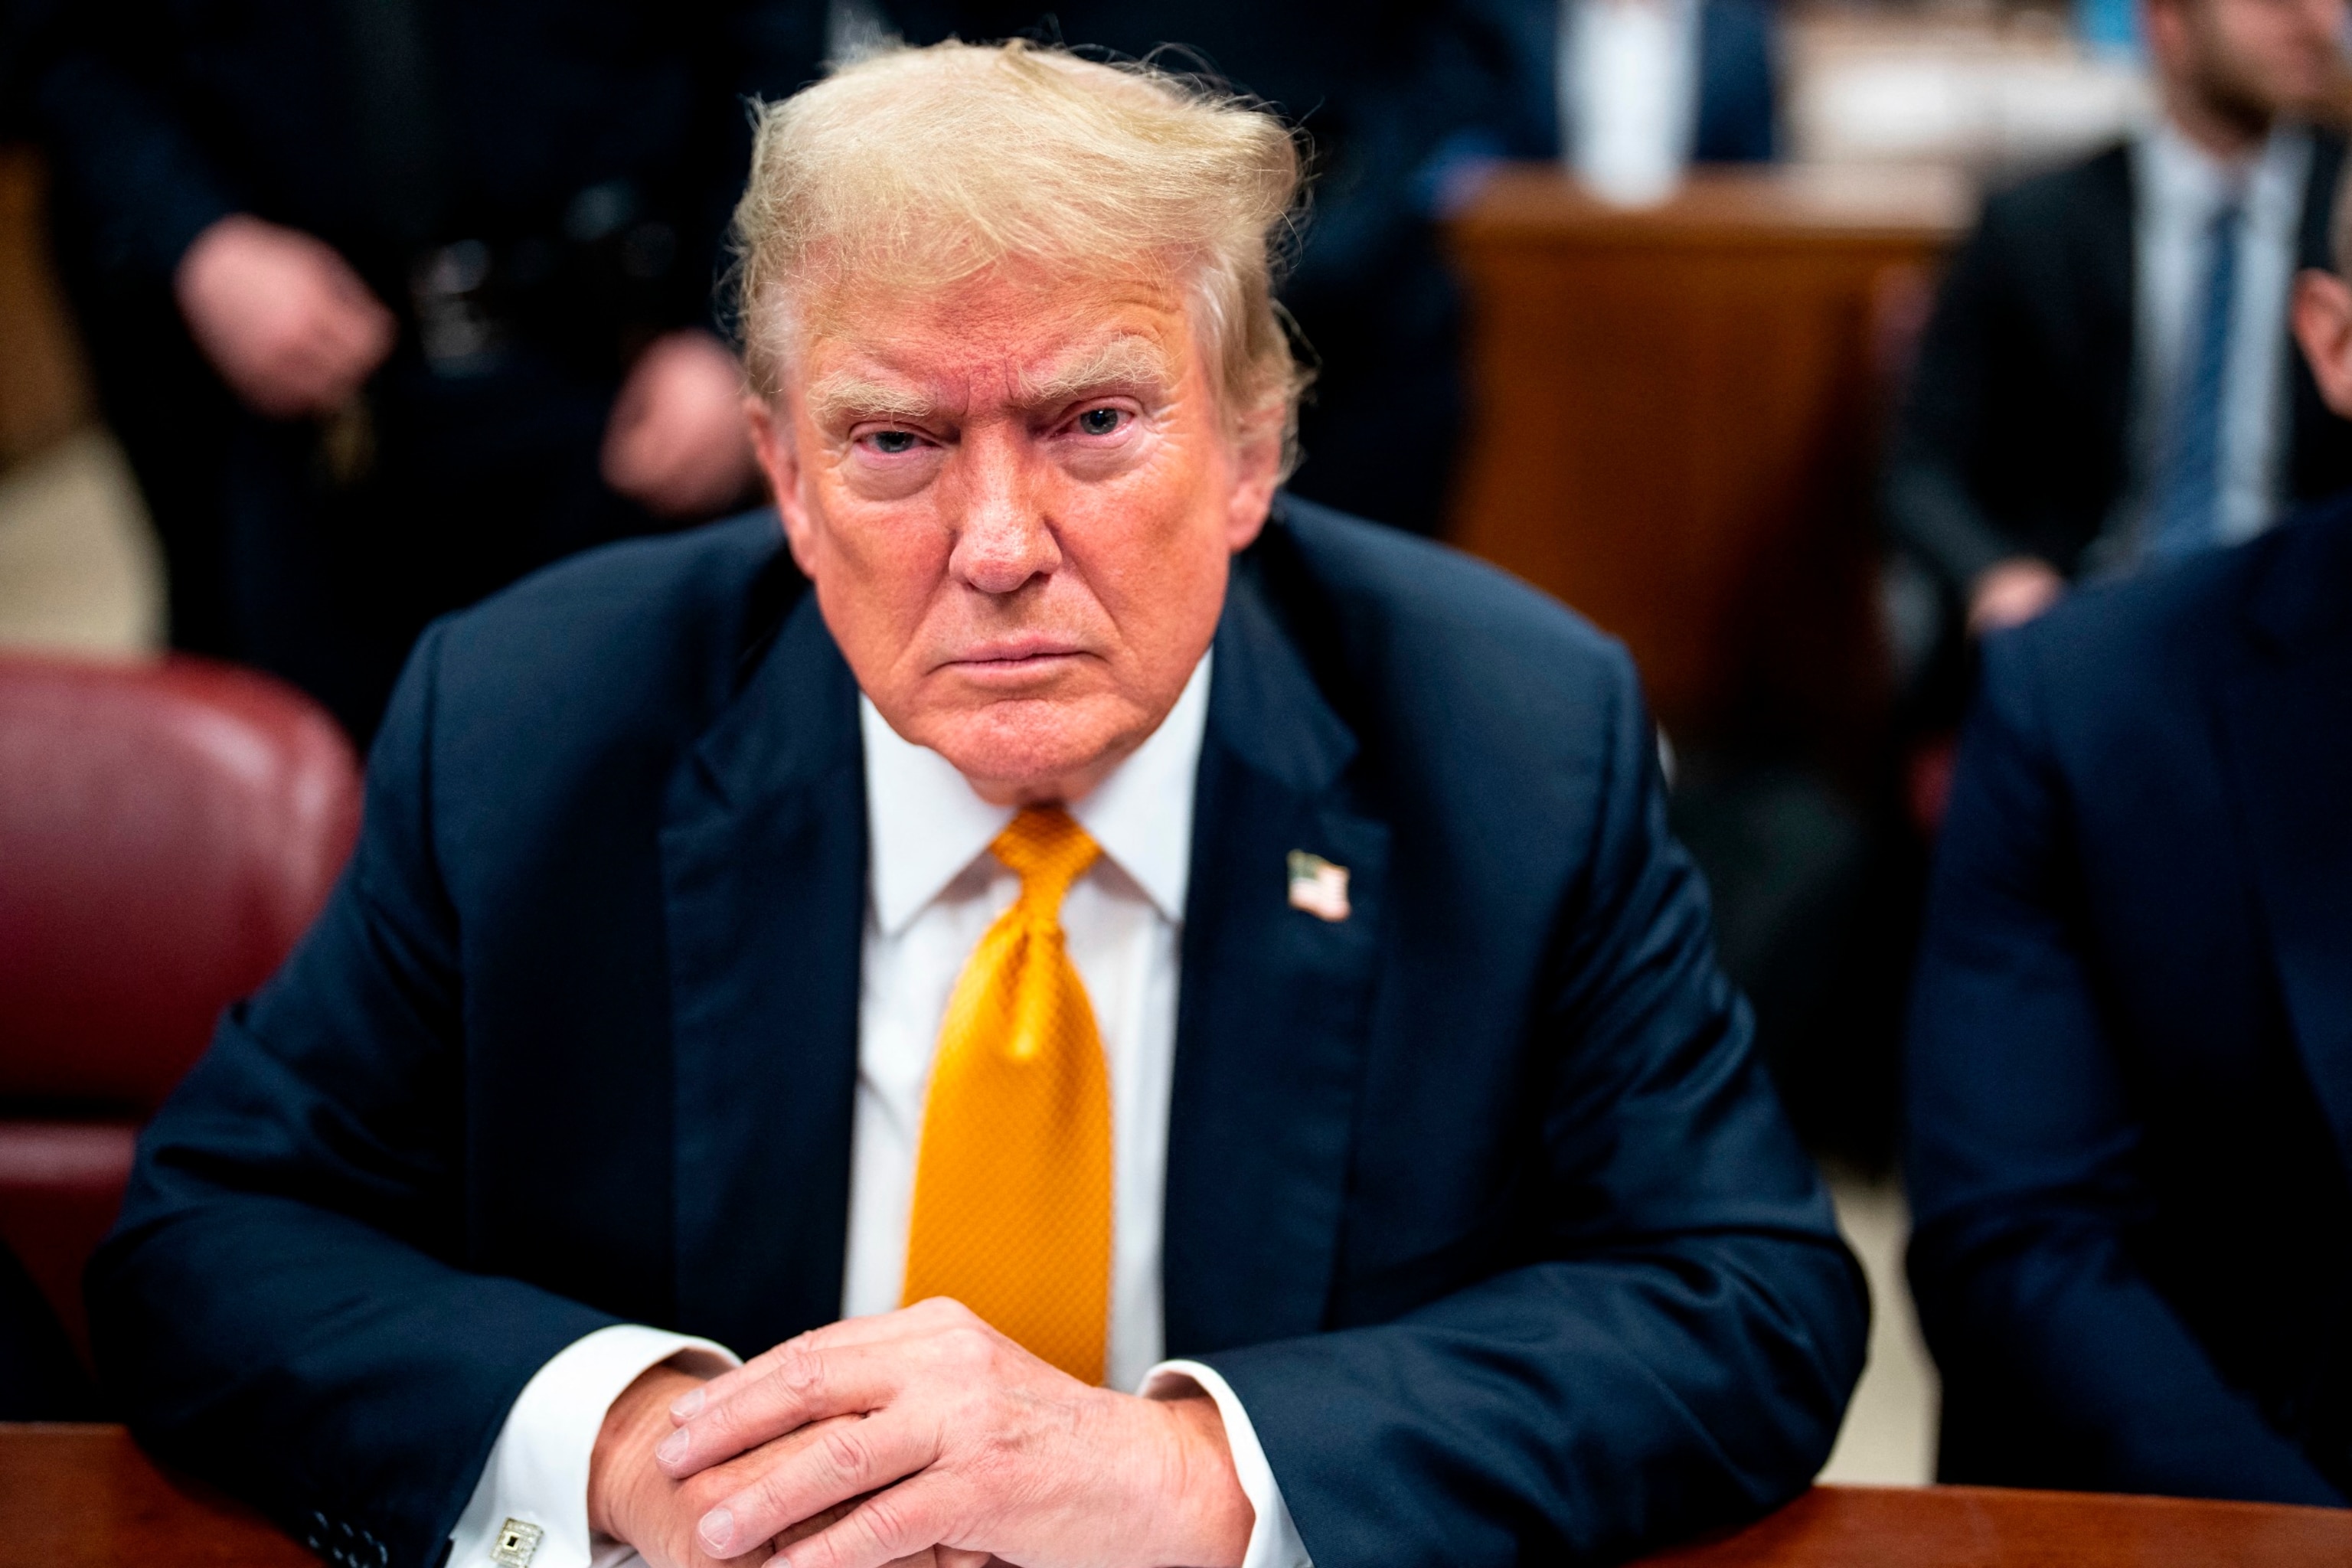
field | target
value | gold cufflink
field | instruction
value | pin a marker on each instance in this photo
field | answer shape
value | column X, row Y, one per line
column 1318, row 885
column 517, row 1542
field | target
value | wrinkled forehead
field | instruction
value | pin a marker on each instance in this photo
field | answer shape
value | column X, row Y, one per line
column 1029, row 336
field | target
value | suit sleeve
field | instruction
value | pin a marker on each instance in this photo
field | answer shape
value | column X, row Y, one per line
column 116, row 142
column 1932, row 500
column 283, row 1260
column 2023, row 1152
column 756, row 51
column 1678, row 1349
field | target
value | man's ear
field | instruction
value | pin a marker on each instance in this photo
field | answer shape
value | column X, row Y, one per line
column 2323, row 326
column 772, row 443
column 1257, row 470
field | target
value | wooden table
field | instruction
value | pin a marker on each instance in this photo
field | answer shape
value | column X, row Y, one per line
column 1980, row 1527
column 83, row 1496
column 1674, row 416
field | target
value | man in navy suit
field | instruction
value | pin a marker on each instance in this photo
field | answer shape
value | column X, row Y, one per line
column 1414, row 1167
column 2131, row 1050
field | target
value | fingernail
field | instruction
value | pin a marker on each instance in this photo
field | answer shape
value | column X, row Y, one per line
column 717, row 1529
column 687, row 1403
column 674, row 1446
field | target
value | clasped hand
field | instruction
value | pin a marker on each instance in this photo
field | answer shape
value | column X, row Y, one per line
column 921, row 1436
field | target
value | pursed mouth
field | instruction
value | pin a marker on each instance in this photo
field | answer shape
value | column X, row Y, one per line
column 1013, row 664
column 1014, row 652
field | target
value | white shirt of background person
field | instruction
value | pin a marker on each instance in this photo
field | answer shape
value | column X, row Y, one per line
column 933, row 890
column 1627, row 74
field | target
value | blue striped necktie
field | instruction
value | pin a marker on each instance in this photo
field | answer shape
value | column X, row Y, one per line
column 2188, row 515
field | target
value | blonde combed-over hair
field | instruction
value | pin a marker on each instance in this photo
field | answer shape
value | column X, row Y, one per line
column 922, row 167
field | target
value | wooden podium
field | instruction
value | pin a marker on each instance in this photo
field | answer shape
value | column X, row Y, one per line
column 1674, row 415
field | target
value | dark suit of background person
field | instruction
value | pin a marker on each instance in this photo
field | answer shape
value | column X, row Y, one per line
column 2015, row 439
column 40, row 1379
column 1738, row 80
column 590, row 154
column 2131, row 1053
column 1477, row 1198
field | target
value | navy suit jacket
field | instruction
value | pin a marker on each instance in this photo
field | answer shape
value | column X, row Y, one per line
column 1478, row 1198
column 2131, row 1053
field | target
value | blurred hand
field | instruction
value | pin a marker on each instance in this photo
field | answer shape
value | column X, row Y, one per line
column 631, row 1500
column 959, row 1443
column 282, row 316
column 2011, row 593
column 677, row 443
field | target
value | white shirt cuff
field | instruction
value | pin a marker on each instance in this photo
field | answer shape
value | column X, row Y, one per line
column 537, row 1477
column 1274, row 1540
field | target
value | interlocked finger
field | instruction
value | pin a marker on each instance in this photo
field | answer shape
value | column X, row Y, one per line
column 845, row 1460
column 881, row 1328
column 900, row 1523
column 807, row 1385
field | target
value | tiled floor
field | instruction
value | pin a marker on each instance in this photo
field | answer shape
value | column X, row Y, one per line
column 1889, row 1436
column 79, row 572
column 79, row 567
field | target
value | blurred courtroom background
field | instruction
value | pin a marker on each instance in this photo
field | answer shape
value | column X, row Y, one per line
column 1673, row 413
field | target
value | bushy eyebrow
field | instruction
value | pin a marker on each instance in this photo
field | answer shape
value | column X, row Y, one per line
column 1123, row 362
column 844, row 396
column 839, row 398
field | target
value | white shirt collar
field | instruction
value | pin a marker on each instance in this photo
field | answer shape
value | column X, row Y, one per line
column 924, row 822
column 2183, row 178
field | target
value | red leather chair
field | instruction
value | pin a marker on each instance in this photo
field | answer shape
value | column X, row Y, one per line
column 167, row 831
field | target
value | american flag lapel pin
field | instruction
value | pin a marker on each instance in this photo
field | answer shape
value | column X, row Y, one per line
column 1318, row 885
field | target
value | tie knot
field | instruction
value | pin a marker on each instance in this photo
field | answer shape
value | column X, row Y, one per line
column 1047, row 851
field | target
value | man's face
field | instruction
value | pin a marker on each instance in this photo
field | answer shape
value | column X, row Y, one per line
column 2250, row 61
column 1017, row 498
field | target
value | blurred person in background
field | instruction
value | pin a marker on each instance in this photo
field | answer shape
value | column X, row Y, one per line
column 2130, row 1071
column 1718, row 83
column 2108, row 377
column 394, row 300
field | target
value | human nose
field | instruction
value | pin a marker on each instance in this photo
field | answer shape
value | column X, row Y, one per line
column 1004, row 539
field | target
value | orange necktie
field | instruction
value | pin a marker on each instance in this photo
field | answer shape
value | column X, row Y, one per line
column 1012, row 1182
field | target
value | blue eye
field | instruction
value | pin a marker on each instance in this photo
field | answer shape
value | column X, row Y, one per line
column 891, row 443
column 1101, row 421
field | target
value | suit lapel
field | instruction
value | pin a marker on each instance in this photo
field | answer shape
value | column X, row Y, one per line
column 1276, row 1005
column 2287, row 722
column 764, row 860
column 2315, row 239
column 2107, row 302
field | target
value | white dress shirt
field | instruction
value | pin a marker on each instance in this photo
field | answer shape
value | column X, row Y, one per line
column 934, row 890
column 1626, row 72
column 2178, row 188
